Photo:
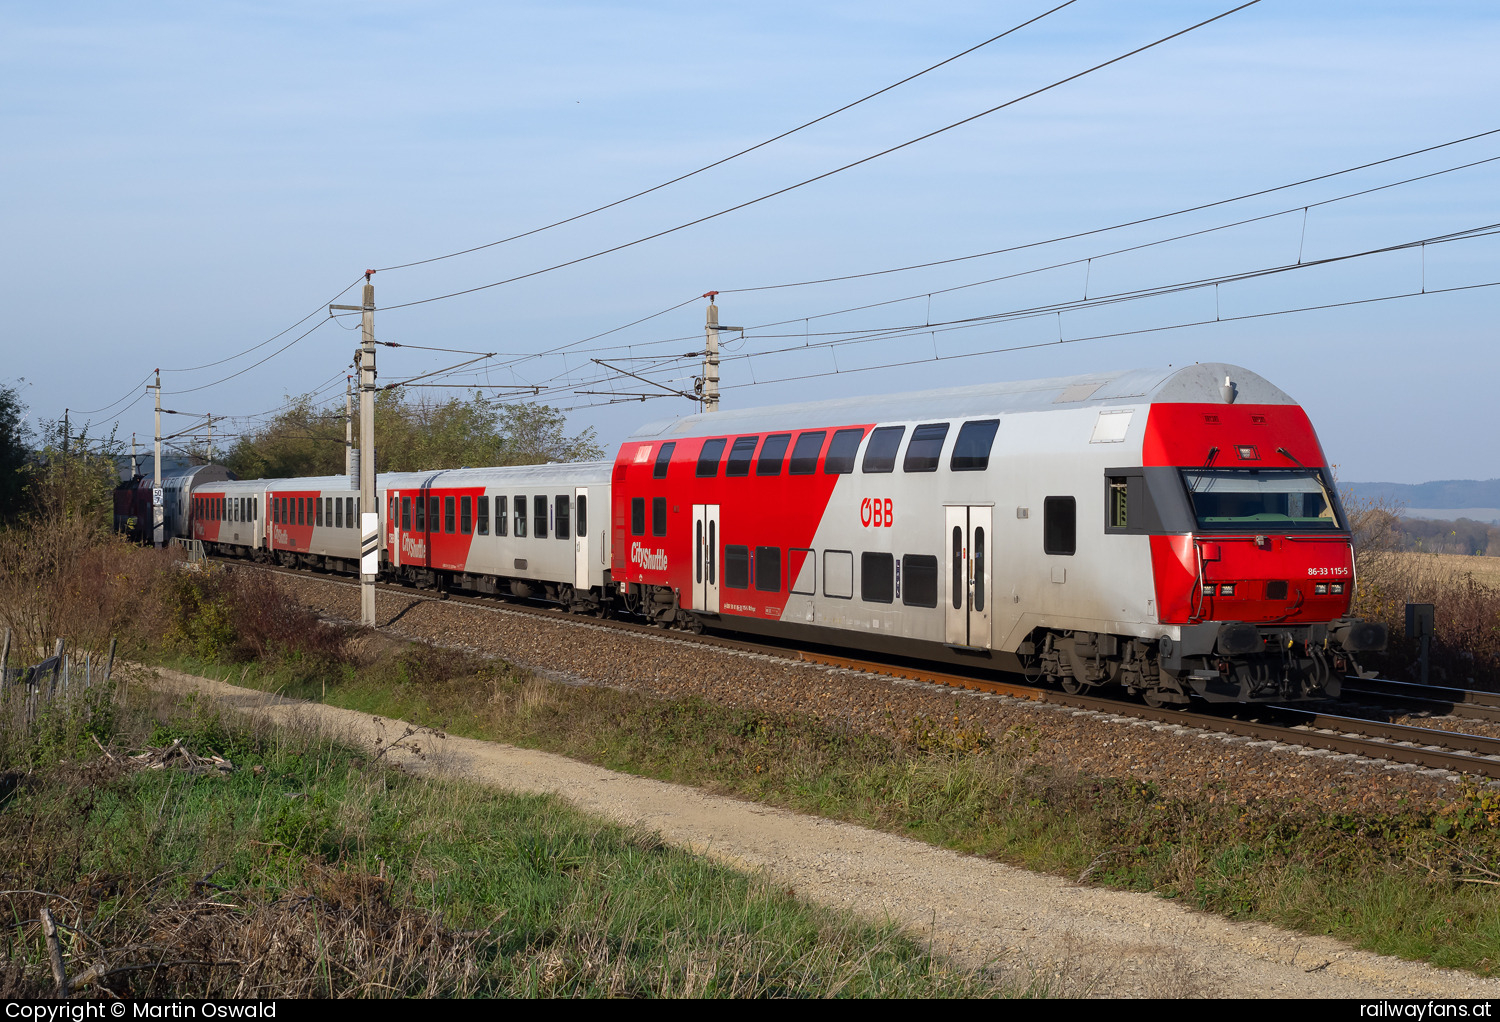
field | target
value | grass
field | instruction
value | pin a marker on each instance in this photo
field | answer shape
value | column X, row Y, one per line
column 1412, row 885
column 312, row 870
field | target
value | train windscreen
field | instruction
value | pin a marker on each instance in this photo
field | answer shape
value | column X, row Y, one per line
column 1260, row 499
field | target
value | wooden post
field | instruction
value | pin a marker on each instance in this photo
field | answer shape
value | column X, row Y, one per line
column 5, row 667
column 57, row 656
column 109, row 665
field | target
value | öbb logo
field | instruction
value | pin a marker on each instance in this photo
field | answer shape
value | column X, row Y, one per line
column 876, row 512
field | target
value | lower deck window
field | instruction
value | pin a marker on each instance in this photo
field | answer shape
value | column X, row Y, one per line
column 919, row 580
column 877, row 578
column 737, row 567
column 768, row 569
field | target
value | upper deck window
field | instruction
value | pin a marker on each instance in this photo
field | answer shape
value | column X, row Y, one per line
column 926, row 447
column 740, row 456
column 1260, row 500
column 971, row 451
column 772, row 453
column 708, row 458
column 663, row 459
column 805, row 454
column 880, row 452
column 842, row 451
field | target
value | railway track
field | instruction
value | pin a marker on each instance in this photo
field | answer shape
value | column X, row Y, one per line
column 1426, row 748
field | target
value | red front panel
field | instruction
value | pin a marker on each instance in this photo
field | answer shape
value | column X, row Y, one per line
column 1248, row 437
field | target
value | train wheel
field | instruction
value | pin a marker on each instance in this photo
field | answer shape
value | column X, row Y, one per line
column 1071, row 685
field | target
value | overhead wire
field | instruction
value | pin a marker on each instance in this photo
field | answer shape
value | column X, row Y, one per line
column 829, row 173
column 737, row 155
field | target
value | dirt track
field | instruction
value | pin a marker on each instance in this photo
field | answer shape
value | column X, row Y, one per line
column 1075, row 939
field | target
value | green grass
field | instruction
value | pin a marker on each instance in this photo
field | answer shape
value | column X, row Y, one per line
column 347, row 877
column 1394, row 884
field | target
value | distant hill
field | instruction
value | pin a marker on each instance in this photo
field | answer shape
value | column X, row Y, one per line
column 1444, row 493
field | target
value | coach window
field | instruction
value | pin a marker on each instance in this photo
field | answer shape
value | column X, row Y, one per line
column 802, row 571
column 466, row 516
column 768, row 569
column 502, row 513
column 349, row 517
column 658, row 516
column 1060, row 525
column 638, row 516
column 564, row 528
column 838, row 574
column 434, row 506
column 919, row 580
column 805, row 454
column 842, row 451
column 482, row 516
column 971, row 451
column 520, row 519
column 338, row 512
column 740, row 456
column 708, row 458
column 328, row 511
column 663, row 460
column 925, row 448
column 302, row 511
column 880, row 453
column 539, row 517
column 448, row 515
column 318, row 512
column 737, row 567
column 877, row 578
column 772, row 454
column 406, row 514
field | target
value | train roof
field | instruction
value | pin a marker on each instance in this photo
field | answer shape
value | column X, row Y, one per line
column 1194, row 384
column 570, row 473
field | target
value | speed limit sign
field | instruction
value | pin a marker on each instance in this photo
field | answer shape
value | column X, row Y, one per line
column 156, row 497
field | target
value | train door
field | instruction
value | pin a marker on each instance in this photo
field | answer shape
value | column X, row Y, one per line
column 969, row 544
column 706, row 558
column 393, row 531
column 581, row 539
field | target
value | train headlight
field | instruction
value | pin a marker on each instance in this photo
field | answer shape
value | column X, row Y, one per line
column 1321, row 588
column 1208, row 589
column 1227, row 590
column 1336, row 588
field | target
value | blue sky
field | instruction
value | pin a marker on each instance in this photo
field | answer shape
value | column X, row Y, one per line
column 182, row 181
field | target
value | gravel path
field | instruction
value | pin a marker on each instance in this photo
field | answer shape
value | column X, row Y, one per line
column 1076, row 940
column 1181, row 761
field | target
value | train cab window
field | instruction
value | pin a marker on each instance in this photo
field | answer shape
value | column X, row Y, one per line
column 338, row 512
column 805, row 454
column 482, row 515
column 838, row 574
column 880, row 453
column 637, row 516
column 842, row 451
column 919, row 580
column 708, row 458
column 971, row 451
column 663, row 460
column 466, row 516
column 1117, row 503
column 520, row 519
column 768, row 569
column 564, row 523
column 502, row 516
column 736, row 567
column 1060, row 525
column 405, row 514
column 583, row 515
column 772, row 454
column 925, row 448
column 658, row 516
column 877, row 578
column 740, row 456
column 539, row 512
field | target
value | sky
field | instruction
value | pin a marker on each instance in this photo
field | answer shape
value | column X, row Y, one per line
column 181, row 182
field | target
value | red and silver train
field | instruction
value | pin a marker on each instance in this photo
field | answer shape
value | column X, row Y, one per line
column 1172, row 531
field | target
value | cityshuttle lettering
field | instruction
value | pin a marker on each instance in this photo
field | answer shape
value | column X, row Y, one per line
column 648, row 560
column 413, row 548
